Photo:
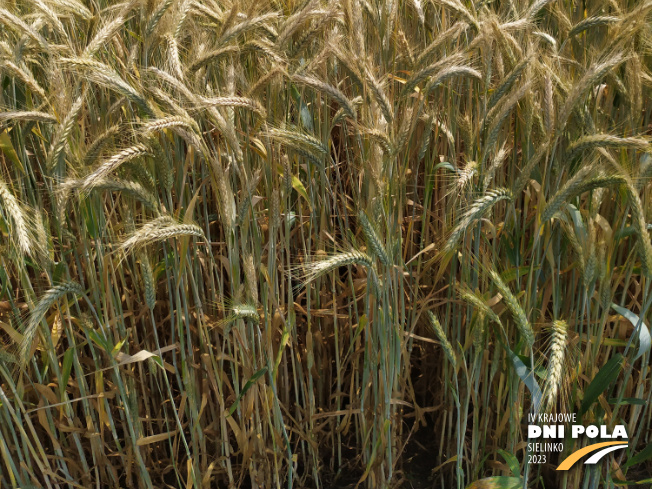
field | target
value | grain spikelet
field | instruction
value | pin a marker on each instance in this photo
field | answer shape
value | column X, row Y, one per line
column 17, row 115
column 99, row 142
column 159, row 229
column 373, row 239
column 503, row 110
column 507, row 84
column 244, row 102
column 595, row 73
column 549, row 105
column 105, row 34
column 74, row 7
column 577, row 185
column 436, row 328
column 329, row 90
column 247, row 26
column 315, row 269
column 536, row 7
column 451, row 72
column 60, row 140
column 52, row 18
column 640, row 224
column 520, row 318
column 498, row 160
column 428, row 71
column 475, row 212
column 457, row 6
column 134, row 189
column 555, row 362
column 37, row 313
column 173, row 59
column 156, row 17
column 112, row 163
column 184, row 10
column 416, row 4
column 148, row 281
column 294, row 21
column 22, row 236
column 297, row 139
column 170, row 122
column 478, row 303
column 441, row 39
column 593, row 22
column 250, row 276
column 106, row 76
column 18, row 25
column 213, row 56
column 379, row 95
column 607, row 141
column 26, row 77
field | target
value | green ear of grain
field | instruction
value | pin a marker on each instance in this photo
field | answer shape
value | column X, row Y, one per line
column 439, row 333
column 520, row 318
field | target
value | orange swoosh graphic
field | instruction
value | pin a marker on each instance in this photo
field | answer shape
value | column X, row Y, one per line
column 575, row 456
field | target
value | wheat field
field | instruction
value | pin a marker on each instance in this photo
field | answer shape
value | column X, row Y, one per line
column 322, row 244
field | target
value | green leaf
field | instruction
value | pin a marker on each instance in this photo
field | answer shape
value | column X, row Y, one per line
column 446, row 165
column 527, row 377
column 298, row 186
column 246, row 387
column 8, row 149
column 642, row 456
column 512, row 462
column 628, row 400
column 631, row 483
column 644, row 342
column 601, row 381
column 99, row 340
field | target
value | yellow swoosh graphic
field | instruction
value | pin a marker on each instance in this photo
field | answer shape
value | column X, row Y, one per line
column 575, row 456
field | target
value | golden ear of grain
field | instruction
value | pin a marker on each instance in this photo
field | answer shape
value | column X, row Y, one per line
column 329, row 90
column 640, row 224
column 577, row 185
column 18, row 115
column 159, row 229
column 21, row 229
column 475, row 212
column 112, row 163
column 315, row 269
column 39, row 311
column 556, row 356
